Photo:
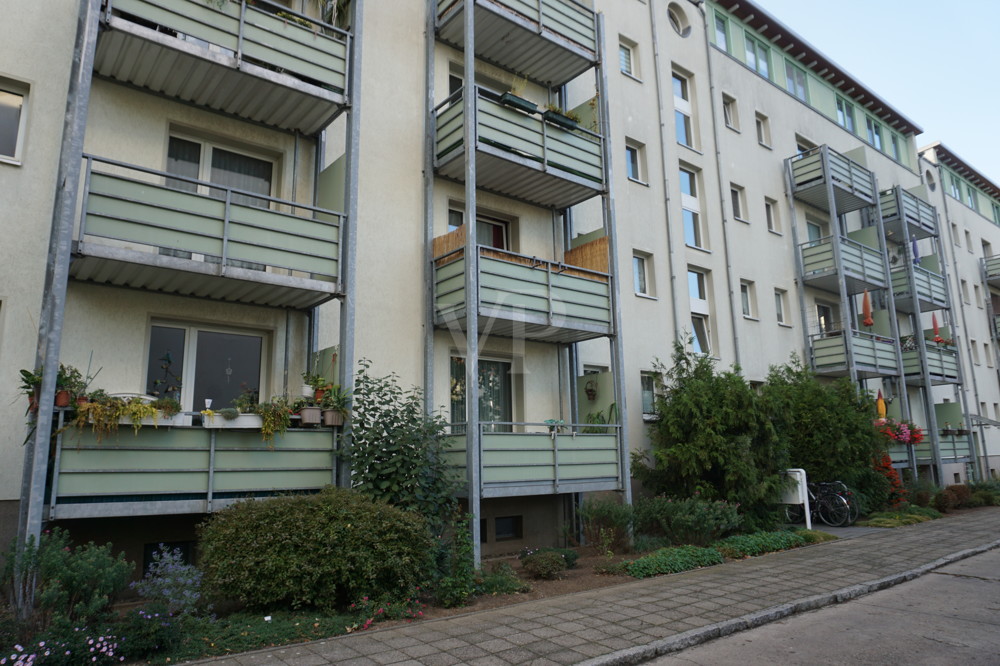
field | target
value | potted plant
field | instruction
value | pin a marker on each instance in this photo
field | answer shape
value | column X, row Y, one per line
column 31, row 382
column 334, row 404
column 105, row 413
column 318, row 383
column 69, row 382
column 962, row 430
column 309, row 413
column 947, row 429
column 557, row 116
column 275, row 417
column 513, row 97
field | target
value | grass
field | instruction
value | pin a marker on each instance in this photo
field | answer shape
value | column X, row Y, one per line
column 911, row 515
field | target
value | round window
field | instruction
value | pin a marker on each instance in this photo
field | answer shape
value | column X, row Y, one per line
column 678, row 20
column 930, row 180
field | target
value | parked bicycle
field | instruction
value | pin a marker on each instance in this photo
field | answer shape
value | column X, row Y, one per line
column 831, row 502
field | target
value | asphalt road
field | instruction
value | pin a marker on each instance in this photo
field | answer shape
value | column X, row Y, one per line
column 949, row 616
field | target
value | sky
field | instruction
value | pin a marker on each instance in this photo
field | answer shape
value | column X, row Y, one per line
column 935, row 62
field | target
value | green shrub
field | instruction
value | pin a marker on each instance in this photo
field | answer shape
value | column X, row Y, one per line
column 962, row 495
column 815, row 536
column 673, row 560
column 148, row 631
column 922, row 498
column 690, row 520
column 568, row 554
column 605, row 520
column 646, row 543
column 758, row 543
column 455, row 567
column 984, row 498
column 945, row 501
column 323, row 550
column 910, row 515
column 171, row 582
column 547, row 565
column 502, row 579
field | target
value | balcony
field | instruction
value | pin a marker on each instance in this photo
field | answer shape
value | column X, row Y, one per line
column 991, row 269
column 519, row 155
column 862, row 266
column 932, row 290
column 182, row 470
column 521, row 296
column 150, row 230
column 288, row 71
column 538, row 463
column 942, row 362
column 548, row 41
column 874, row 355
column 900, row 206
column 813, row 170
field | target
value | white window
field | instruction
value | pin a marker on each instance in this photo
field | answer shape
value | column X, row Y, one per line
column 996, row 213
column 682, row 110
column 896, row 155
column 978, row 294
column 640, row 274
column 194, row 363
column 845, row 114
column 221, row 165
column 987, row 355
column 748, row 298
column 827, row 321
column 956, row 187
column 738, row 196
column 700, row 334
column 763, row 130
column 955, row 237
column 968, row 240
column 13, row 116
column 974, row 346
column 965, row 292
column 971, row 197
column 771, row 213
column 757, row 56
column 780, row 296
column 691, row 209
column 722, row 32
column 696, row 288
column 874, row 132
column 647, row 382
column 678, row 20
column 634, row 161
column 730, row 112
column 626, row 57
column 795, row 81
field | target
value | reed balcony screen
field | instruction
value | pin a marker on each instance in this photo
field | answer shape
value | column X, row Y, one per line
column 853, row 186
column 533, row 463
column 548, row 41
column 931, row 294
column 900, row 206
column 874, row 355
column 257, row 60
column 181, row 469
column 153, row 230
column 862, row 266
column 518, row 154
column 522, row 296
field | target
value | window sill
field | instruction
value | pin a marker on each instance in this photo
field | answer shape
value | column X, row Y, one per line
column 637, row 181
column 735, row 129
column 647, row 297
column 631, row 76
column 700, row 249
column 784, row 325
column 749, row 318
column 691, row 148
column 649, row 418
column 9, row 160
column 776, row 233
column 764, row 145
column 740, row 219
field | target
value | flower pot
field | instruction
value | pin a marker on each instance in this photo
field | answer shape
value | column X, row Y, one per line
column 333, row 418
column 307, row 391
column 961, row 431
column 62, row 398
column 310, row 416
column 560, row 120
column 516, row 102
column 318, row 394
column 947, row 431
column 33, row 403
column 243, row 421
column 82, row 400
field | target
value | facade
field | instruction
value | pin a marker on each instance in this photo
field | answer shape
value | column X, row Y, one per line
column 217, row 193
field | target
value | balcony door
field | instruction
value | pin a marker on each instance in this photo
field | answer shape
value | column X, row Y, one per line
column 194, row 363
column 495, row 394
column 208, row 161
column 489, row 232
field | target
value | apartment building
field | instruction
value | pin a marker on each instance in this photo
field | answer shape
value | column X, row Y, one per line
column 251, row 186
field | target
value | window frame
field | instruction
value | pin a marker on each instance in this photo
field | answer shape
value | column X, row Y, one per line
column 22, row 90
column 683, row 112
column 641, row 278
column 626, row 58
column 748, row 299
column 763, row 127
column 647, row 387
column 730, row 112
column 634, row 162
column 701, row 344
column 737, row 195
column 207, row 148
column 761, row 53
column 873, row 133
column 771, row 215
column 780, row 305
column 723, row 23
column 792, row 84
column 845, row 115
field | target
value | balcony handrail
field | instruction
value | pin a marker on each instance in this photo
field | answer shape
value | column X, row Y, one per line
column 556, row 267
column 845, row 240
column 882, row 339
column 832, row 152
column 444, row 6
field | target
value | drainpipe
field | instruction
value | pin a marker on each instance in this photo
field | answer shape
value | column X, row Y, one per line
column 53, row 308
column 429, row 135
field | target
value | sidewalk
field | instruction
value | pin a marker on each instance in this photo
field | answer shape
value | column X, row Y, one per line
column 632, row 622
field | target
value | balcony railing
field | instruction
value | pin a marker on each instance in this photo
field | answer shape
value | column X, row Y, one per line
column 862, row 266
column 874, row 355
column 182, row 469
column 518, row 154
column 153, row 230
column 521, row 462
column 853, row 187
column 991, row 267
column 241, row 57
column 942, row 362
column 898, row 205
column 549, row 41
column 932, row 289
column 522, row 296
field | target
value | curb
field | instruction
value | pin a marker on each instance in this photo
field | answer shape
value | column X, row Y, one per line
column 687, row 639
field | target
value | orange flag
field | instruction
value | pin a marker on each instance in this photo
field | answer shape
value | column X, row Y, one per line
column 880, row 405
column 866, row 310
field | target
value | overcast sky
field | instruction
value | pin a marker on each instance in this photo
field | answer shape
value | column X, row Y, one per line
column 934, row 62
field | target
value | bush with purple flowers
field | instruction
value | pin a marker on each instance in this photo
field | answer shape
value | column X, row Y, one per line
column 171, row 582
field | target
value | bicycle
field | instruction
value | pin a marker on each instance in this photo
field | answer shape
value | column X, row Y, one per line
column 831, row 502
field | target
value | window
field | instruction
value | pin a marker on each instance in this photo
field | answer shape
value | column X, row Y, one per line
column 763, row 130
column 508, row 528
column 682, row 111
column 625, row 58
column 874, row 132
column 955, row 238
column 722, row 32
column 691, row 209
column 974, row 346
column 738, row 196
column 827, row 321
column 795, row 81
column 495, row 393
column 968, row 240
column 730, row 112
column 748, row 298
column 965, row 291
column 689, row 183
column 845, row 114
column 996, row 213
column 987, row 355
column 678, row 20
column 692, row 228
column 771, row 213
column 894, row 142
column 216, row 364
column 647, row 383
column 696, row 286
column 700, row 343
column 209, row 161
column 757, row 56
column 956, row 187
column 978, row 294
column 971, row 198
column 779, row 305
column 489, row 232
column 13, row 115
column 640, row 274
column 634, row 161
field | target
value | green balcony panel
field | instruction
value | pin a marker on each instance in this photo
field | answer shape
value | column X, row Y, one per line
column 932, row 289
column 520, row 155
column 549, row 41
column 862, row 266
column 991, row 266
column 813, row 170
column 289, row 71
column 942, row 363
column 900, row 206
column 874, row 355
column 146, row 229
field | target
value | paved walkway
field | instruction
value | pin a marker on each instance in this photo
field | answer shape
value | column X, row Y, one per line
column 633, row 622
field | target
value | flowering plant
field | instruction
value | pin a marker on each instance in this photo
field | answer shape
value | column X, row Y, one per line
column 904, row 432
